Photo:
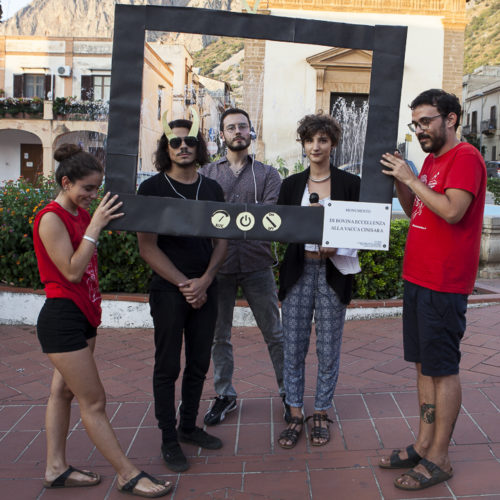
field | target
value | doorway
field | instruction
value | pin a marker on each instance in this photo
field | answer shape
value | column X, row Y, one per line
column 31, row 161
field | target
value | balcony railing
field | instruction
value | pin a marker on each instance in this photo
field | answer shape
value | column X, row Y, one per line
column 488, row 127
column 13, row 107
column 466, row 130
column 69, row 108
column 64, row 108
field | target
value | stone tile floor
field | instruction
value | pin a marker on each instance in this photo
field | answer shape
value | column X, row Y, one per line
column 374, row 411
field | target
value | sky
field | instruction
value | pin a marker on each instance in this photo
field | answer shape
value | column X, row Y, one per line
column 10, row 7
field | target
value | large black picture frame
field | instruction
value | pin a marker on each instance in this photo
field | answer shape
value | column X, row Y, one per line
column 387, row 44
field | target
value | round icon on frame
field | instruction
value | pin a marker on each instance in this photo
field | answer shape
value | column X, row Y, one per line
column 271, row 221
column 220, row 219
column 245, row 221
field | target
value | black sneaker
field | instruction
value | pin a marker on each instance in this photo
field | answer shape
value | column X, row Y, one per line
column 217, row 412
column 287, row 414
column 199, row 437
column 174, row 457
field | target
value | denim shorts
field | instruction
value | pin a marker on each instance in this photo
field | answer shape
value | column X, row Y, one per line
column 62, row 327
column 433, row 326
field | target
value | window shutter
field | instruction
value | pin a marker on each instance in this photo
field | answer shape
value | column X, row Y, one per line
column 48, row 86
column 87, row 88
column 18, row 85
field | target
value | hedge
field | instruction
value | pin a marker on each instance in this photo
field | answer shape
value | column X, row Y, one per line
column 121, row 267
column 494, row 188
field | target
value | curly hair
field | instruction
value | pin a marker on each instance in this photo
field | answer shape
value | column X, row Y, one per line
column 162, row 160
column 445, row 102
column 75, row 163
column 310, row 125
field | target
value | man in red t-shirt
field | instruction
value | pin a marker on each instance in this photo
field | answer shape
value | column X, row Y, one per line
column 445, row 203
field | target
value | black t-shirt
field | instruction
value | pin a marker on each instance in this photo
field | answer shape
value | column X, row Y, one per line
column 189, row 254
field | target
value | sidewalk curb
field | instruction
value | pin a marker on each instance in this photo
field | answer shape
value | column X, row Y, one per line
column 20, row 306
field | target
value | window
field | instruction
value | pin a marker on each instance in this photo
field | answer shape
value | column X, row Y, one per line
column 160, row 93
column 474, row 122
column 95, row 87
column 33, row 85
column 493, row 117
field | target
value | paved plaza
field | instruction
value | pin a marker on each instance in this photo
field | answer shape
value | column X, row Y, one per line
column 374, row 411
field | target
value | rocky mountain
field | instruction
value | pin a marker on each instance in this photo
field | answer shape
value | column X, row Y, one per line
column 88, row 17
column 482, row 35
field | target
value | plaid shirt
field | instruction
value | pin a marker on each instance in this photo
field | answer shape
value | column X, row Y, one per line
column 245, row 256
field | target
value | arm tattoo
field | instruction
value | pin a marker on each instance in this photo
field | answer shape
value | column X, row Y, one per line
column 428, row 413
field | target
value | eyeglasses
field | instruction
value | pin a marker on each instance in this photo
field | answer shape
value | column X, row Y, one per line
column 424, row 123
column 240, row 126
column 189, row 141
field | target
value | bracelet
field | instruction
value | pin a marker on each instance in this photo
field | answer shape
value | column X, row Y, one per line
column 89, row 238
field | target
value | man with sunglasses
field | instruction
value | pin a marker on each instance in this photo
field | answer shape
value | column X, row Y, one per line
column 248, row 263
column 445, row 204
column 183, row 295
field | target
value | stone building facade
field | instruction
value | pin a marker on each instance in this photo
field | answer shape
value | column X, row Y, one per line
column 434, row 58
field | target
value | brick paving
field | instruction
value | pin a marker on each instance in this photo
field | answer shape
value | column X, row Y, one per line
column 374, row 411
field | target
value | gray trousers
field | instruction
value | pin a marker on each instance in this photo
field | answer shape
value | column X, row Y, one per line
column 260, row 291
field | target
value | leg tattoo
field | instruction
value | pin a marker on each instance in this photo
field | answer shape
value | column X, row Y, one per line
column 428, row 413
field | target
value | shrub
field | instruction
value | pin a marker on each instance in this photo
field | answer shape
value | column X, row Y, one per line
column 380, row 277
column 494, row 188
column 19, row 203
column 121, row 267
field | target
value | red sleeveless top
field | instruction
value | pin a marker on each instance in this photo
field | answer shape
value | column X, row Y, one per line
column 86, row 294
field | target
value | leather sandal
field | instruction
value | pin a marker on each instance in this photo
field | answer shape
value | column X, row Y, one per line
column 437, row 474
column 291, row 434
column 319, row 432
column 65, row 481
column 131, row 487
column 395, row 462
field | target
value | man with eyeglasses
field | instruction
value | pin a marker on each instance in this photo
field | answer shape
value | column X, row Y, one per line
column 445, row 204
column 183, row 295
column 248, row 263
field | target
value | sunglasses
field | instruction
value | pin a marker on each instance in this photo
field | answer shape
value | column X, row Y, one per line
column 189, row 141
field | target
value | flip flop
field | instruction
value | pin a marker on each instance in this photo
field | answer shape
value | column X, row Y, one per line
column 399, row 463
column 130, row 487
column 438, row 475
column 64, row 481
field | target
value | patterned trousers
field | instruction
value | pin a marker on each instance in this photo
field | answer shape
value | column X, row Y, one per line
column 312, row 295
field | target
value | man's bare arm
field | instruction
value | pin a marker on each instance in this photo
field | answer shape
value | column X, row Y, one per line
column 450, row 205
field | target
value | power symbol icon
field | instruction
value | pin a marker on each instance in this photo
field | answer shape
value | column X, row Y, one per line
column 245, row 221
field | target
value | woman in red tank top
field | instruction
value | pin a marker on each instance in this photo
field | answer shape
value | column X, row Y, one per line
column 65, row 239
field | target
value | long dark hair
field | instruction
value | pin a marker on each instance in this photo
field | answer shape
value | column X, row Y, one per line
column 75, row 163
column 162, row 160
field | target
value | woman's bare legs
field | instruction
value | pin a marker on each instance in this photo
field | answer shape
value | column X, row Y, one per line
column 76, row 374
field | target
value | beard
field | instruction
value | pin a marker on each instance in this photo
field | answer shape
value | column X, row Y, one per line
column 435, row 141
column 238, row 146
column 184, row 162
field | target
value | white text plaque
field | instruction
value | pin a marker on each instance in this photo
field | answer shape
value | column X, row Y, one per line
column 353, row 224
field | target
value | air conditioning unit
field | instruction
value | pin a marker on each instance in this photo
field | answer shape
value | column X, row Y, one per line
column 64, row 70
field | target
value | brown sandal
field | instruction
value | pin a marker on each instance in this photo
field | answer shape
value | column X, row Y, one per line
column 291, row 433
column 319, row 432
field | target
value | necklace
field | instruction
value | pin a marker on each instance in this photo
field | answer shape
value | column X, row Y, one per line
column 177, row 192
column 323, row 179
